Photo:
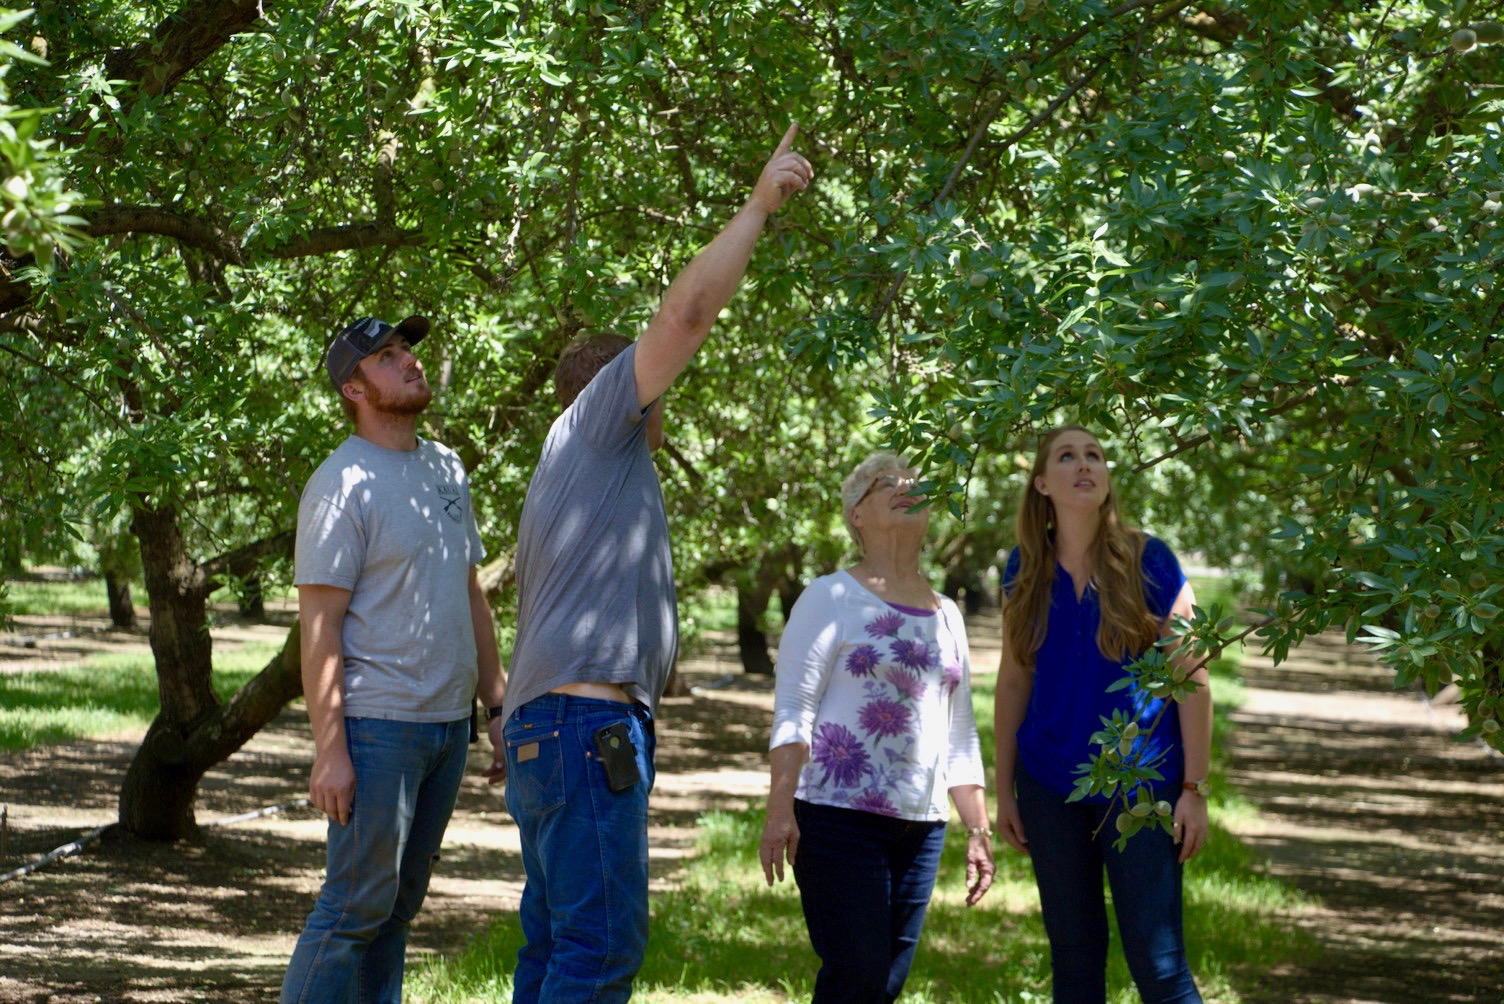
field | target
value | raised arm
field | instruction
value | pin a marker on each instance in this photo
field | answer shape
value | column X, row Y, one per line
column 695, row 299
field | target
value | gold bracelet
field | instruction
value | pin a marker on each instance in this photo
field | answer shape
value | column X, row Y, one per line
column 979, row 831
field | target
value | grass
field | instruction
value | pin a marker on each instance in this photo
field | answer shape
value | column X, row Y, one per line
column 87, row 597
column 711, row 610
column 72, row 597
column 109, row 695
column 723, row 935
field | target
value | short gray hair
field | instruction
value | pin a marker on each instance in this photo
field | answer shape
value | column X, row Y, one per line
column 859, row 480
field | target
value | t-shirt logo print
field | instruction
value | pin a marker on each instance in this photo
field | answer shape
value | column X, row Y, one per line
column 453, row 506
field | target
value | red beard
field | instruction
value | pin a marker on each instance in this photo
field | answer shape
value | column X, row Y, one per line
column 413, row 401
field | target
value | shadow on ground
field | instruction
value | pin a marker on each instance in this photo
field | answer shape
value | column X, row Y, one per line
column 1369, row 804
column 215, row 918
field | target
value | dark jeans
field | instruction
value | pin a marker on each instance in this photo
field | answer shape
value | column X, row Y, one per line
column 865, row 882
column 1145, row 881
column 584, row 909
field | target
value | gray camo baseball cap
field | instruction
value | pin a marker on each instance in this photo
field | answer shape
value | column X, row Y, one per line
column 363, row 337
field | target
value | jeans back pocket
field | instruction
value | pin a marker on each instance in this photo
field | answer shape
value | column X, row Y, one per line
column 535, row 770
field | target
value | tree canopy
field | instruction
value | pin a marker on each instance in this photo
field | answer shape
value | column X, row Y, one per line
column 1253, row 244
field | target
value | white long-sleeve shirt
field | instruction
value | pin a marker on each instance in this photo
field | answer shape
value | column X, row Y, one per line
column 881, row 696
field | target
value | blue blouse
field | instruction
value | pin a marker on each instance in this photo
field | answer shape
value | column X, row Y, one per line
column 1071, row 677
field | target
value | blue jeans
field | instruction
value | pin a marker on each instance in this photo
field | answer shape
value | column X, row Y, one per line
column 865, row 882
column 407, row 776
column 584, row 910
column 1145, row 881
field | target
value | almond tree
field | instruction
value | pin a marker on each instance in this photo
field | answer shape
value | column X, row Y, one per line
column 1253, row 243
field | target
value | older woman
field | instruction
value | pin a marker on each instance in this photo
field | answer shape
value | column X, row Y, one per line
column 872, row 727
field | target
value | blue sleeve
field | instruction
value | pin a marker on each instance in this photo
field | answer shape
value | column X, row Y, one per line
column 1010, row 571
column 1163, row 578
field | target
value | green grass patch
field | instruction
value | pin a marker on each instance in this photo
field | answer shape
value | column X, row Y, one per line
column 722, row 935
column 87, row 597
column 72, row 598
column 109, row 695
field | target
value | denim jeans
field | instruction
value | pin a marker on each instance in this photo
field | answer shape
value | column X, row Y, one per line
column 584, row 910
column 865, row 882
column 407, row 776
column 1145, row 881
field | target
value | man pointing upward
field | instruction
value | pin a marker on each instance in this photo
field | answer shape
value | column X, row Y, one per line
column 597, row 628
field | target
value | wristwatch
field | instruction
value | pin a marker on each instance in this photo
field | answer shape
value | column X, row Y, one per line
column 1202, row 787
column 493, row 712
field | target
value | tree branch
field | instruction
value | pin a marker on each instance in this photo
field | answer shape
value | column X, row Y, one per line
column 195, row 232
column 1222, row 26
column 112, row 415
column 349, row 237
column 1206, row 437
column 243, row 559
column 184, row 40
column 980, row 132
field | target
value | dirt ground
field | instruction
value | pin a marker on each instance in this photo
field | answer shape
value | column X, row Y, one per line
column 1396, row 830
column 1368, row 805
column 215, row 919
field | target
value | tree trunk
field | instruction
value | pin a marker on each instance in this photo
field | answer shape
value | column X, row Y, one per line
column 753, row 591
column 675, row 687
column 122, row 610
column 964, row 583
column 119, row 562
column 789, row 591
column 193, row 731
column 252, row 601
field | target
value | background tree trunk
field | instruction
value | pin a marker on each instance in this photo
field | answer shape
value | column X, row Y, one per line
column 778, row 572
column 194, row 730
column 252, row 599
column 122, row 610
column 752, row 641
column 120, row 563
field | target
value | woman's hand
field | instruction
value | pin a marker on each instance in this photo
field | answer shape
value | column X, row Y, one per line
column 979, row 866
column 780, row 840
column 1190, row 824
column 1010, row 825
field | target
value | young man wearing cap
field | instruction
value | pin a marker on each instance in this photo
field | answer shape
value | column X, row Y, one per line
column 396, row 638
column 597, row 632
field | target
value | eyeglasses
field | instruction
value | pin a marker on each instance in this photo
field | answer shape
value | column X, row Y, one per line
column 887, row 482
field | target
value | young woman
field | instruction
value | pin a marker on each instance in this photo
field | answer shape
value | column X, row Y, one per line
column 1085, row 596
column 872, row 728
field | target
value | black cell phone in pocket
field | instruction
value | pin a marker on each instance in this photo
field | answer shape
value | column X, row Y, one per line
column 618, row 755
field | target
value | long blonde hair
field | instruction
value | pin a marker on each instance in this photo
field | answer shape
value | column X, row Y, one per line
column 1116, row 556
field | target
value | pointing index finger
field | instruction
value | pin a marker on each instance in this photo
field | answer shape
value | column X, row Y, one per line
column 788, row 140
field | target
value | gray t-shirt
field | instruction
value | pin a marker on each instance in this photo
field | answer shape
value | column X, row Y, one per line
column 395, row 528
column 595, row 577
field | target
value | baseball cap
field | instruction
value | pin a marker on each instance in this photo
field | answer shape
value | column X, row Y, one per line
column 363, row 337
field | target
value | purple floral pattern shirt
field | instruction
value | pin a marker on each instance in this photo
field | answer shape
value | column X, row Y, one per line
column 881, row 696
